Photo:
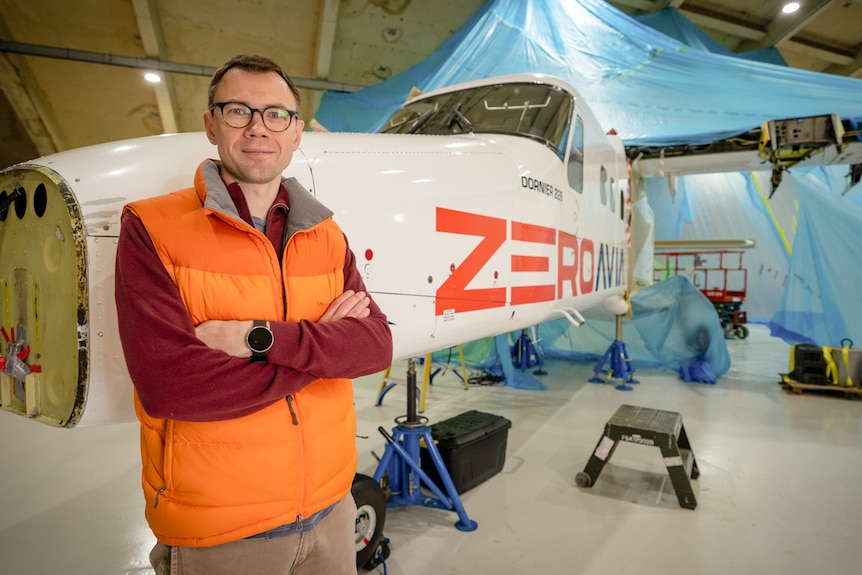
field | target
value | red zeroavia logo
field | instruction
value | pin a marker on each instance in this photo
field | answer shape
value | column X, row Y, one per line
column 578, row 267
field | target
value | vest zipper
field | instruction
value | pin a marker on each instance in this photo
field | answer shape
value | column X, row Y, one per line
column 300, row 458
column 289, row 399
column 156, row 502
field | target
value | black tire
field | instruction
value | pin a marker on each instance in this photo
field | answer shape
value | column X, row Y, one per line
column 741, row 332
column 370, row 517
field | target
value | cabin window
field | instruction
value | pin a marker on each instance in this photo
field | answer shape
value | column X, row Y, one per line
column 575, row 167
column 612, row 195
column 532, row 110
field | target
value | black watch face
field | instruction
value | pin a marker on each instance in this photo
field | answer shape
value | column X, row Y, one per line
column 259, row 339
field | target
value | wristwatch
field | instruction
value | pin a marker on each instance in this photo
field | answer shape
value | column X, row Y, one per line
column 259, row 340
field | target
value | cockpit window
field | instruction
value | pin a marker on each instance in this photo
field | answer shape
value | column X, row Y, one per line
column 537, row 111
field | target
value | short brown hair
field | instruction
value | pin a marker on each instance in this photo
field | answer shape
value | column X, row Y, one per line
column 257, row 64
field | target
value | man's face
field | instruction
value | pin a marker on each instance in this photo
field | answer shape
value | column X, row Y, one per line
column 254, row 155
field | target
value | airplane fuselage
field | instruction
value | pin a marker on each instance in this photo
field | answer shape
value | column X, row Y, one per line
column 486, row 229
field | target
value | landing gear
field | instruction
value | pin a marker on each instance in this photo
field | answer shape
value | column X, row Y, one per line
column 370, row 517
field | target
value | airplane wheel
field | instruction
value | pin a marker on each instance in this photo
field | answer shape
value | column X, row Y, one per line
column 742, row 332
column 370, row 517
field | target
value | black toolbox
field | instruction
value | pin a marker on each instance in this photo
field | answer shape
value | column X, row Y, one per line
column 807, row 364
column 472, row 446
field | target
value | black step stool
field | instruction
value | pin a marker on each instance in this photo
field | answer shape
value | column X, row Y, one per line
column 662, row 429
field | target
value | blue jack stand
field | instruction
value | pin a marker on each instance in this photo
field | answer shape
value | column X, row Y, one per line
column 401, row 460
column 621, row 366
column 525, row 355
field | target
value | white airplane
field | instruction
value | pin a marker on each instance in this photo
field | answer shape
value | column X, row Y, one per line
column 513, row 214
column 479, row 209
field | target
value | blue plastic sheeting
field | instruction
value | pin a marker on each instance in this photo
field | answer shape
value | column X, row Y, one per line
column 492, row 355
column 733, row 205
column 675, row 327
column 671, row 22
column 821, row 302
column 499, row 362
column 680, row 326
column 558, row 339
column 650, row 88
column 803, row 274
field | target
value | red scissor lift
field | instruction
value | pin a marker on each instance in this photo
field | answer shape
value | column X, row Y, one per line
column 719, row 275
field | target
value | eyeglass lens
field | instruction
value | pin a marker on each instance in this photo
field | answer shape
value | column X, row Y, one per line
column 239, row 116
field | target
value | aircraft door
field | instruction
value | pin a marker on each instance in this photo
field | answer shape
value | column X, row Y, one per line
column 575, row 163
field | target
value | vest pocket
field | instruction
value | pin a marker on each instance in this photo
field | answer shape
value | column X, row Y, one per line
column 249, row 460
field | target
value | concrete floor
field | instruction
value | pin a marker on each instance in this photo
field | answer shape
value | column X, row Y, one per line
column 777, row 493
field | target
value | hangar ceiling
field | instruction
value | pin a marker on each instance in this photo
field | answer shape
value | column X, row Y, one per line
column 71, row 72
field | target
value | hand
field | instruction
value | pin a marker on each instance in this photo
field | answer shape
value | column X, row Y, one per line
column 228, row 336
column 348, row 304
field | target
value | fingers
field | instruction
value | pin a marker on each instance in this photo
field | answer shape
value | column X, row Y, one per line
column 348, row 304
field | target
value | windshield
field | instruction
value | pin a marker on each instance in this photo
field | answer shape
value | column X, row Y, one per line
column 536, row 111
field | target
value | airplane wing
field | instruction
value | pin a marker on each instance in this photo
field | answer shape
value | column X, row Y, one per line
column 776, row 145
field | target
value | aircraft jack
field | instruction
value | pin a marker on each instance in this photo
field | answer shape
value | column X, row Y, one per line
column 401, row 460
column 620, row 366
column 526, row 355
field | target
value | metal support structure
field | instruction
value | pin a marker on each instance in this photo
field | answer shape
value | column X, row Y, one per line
column 401, row 463
column 527, row 355
column 387, row 383
column 620, row 365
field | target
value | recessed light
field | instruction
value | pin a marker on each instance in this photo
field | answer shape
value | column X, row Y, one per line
column 790, row 7
column 152, row 77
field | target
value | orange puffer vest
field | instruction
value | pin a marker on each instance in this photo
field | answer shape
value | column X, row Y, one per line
column 214, row 482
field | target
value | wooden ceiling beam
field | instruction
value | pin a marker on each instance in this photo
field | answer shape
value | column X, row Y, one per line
column 852, row 68
column 721, row 23
column 153, row 43
column 27, row 100
column 325, row 38
column 17, row 83
column 662, row 4
column 642, row 5
column 784, row 26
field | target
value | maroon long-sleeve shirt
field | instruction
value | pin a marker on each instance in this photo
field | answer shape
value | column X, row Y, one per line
column 177, row 376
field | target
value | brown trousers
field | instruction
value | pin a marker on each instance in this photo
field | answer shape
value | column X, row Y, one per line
column 328, row 548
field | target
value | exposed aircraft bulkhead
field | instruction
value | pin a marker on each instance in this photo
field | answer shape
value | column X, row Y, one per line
column 59, row 221
column 45, row 304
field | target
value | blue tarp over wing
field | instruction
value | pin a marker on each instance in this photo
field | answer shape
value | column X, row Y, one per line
column 649, row 87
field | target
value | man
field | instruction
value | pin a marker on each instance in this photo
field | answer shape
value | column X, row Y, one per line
column 242, row 315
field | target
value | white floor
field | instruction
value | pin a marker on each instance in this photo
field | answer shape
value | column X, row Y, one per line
column 779, row 486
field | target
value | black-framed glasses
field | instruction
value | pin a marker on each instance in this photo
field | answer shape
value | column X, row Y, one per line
column 239, row 115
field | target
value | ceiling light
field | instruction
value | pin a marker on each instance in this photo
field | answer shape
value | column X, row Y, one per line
column 790, row 7
column 152, row 77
